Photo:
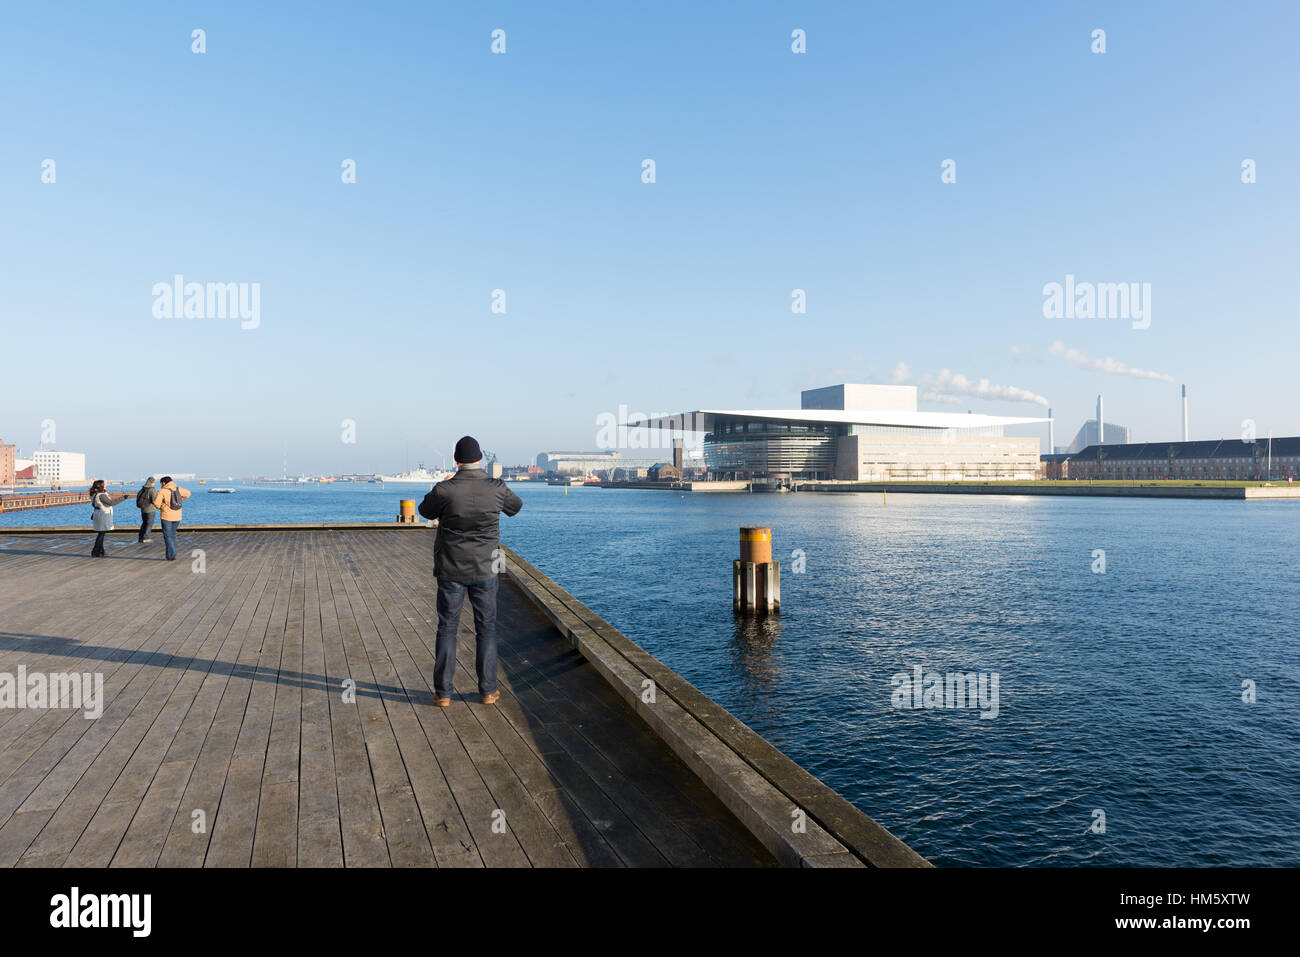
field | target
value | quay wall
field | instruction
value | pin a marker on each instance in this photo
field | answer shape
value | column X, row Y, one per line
column 1237, row 493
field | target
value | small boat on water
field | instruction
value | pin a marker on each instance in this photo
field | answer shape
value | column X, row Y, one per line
column 222, row 491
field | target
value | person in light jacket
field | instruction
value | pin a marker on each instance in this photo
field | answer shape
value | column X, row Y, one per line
column 169, row 511
column 144, row 502
column 101, row 516
column 467, row 560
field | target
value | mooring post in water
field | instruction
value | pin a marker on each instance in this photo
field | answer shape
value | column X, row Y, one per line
column 406, row 511
column 755, row 578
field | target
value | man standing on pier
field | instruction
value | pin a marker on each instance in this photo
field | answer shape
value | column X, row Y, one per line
column 467, row 507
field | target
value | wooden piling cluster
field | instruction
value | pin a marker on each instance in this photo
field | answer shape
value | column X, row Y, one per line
column 755, row 578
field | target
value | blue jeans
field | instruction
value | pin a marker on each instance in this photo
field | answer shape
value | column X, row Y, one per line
column 146, row 523
column 483, row 599
column 169, row 536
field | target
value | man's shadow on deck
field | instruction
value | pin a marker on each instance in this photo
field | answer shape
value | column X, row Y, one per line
column 79, row 554
column 73, row 648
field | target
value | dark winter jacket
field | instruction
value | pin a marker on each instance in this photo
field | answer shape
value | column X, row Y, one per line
column 467, row 507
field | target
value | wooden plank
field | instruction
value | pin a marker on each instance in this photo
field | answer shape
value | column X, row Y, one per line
column 360, row 819
column 320, row 838
column 186, row 846
column 160, row 807
column 234, row 825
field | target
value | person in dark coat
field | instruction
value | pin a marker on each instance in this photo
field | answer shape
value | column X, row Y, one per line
column 466, row 561
column 144, row 502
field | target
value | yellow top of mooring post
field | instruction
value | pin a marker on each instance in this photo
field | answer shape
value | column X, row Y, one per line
column 755, row 544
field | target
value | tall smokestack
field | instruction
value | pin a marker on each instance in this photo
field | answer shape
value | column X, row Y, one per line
column 677, row 454
column 1101, row 424
column 1184, row 411
column 1051, row 433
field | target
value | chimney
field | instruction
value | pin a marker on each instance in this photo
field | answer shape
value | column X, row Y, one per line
column 1184, row 411
column 1051, row 433
column 1101, row 424
column 677, row 454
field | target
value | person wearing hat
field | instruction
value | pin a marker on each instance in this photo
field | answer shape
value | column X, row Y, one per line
column 467, row 507
column 144, row 502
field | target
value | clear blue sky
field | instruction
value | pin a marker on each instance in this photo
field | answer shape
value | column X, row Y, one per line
column 522, row 171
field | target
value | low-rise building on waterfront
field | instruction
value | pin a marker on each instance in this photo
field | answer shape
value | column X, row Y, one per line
column 1210, row 460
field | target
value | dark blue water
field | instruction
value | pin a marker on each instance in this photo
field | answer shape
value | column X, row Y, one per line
column 1119, row 692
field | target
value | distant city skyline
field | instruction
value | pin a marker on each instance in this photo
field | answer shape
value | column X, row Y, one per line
column 416, row 238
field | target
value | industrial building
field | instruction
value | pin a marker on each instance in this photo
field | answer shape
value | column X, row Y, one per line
column 1090, row 432
column 1213, row 460
column 59, row 468
column 668, row 471
column 860, row 432
column 1100, row 432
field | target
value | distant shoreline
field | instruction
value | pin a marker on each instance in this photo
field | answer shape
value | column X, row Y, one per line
column 1231, row 491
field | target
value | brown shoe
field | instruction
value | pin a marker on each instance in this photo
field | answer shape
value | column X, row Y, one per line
column 442, row 702
column 491, row 698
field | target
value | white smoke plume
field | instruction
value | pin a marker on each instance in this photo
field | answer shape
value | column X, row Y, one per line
column 1107, row 365
column 954, row 383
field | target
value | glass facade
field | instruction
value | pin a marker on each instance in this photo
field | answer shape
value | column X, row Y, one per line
column 743, row 448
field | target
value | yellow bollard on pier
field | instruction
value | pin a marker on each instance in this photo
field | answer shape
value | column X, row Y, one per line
column 406, row 511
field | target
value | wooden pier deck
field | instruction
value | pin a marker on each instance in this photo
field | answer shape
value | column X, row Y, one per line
column 224, row 694
column 226, row 739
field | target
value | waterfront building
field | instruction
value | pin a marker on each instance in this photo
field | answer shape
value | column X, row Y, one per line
column 59, row 468
column 579, row 463
column 588, row 463
column 1262, row 460
column 8, row 460
column 858, row 432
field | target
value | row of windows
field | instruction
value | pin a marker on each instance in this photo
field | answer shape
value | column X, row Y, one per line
column 729, row 428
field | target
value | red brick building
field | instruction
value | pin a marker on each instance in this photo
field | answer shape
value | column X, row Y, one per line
column 7, row 453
